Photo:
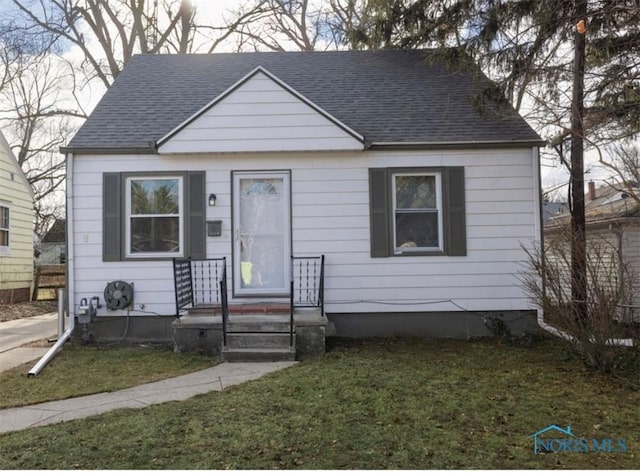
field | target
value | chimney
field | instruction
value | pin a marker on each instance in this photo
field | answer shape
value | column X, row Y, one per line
column 592, row 190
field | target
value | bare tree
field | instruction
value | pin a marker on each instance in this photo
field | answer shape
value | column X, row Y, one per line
column 35, row 119
column 110, row 32
column 303, row 25
column 39, row 102
column 52, row 51
column 624, row 162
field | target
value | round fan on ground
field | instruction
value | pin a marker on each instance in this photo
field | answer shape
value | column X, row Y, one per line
column 118, row 295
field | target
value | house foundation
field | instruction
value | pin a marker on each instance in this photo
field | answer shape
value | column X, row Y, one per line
column 461, row 325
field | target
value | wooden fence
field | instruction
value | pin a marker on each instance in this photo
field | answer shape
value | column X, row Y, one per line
column 48, row 279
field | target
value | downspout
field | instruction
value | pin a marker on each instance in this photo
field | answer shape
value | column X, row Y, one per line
column 54, row 349
column 627, row 342
column 539, row 227
column 70, row 286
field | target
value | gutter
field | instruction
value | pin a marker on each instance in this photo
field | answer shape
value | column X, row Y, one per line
column 408, row 145
column 150, row 148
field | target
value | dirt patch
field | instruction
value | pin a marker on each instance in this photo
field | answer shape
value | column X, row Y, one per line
column 43, row 343
column 26, row 309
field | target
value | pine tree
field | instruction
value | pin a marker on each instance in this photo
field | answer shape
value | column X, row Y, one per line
column 574, row 64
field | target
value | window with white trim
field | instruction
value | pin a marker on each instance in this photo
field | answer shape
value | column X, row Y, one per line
column 154, row 216
column 4, row 230
column 417, row 212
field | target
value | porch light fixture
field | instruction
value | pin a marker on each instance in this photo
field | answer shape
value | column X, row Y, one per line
column 212, row 200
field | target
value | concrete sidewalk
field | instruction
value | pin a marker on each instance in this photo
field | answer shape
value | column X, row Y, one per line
column 179, row 388
column 16, row 333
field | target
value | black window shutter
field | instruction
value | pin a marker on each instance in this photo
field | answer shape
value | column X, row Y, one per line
column 455, row 222
column 111, row 217
column 196, row 215
column 379, row 212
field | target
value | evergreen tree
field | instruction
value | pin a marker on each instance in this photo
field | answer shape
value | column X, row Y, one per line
column 574, row 64
column 526, row 48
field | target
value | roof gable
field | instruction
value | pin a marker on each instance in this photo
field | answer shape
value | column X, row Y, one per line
column 390, row 97
column 10, row 158
column 260, row 113
column 57, row 233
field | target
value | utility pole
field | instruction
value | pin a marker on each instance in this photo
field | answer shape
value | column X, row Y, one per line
column 579, row 285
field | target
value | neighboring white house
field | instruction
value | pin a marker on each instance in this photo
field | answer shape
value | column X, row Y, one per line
column 613, row 237
column 378, row 160
column 16, row 229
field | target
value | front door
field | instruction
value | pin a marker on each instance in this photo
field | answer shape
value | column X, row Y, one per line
column 262, row 233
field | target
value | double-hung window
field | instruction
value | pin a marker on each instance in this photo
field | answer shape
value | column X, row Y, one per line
column 4, row 230
column 417, row 211
column 154, row 221
column 154, row 215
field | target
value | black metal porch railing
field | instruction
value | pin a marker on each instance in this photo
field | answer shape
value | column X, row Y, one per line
column 307, row 285
column 201, row 283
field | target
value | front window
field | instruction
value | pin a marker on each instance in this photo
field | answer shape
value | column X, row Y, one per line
column 154, row 216
column 417, row 212
column 4, row 230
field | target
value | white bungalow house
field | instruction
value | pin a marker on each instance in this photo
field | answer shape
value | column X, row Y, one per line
column 420, row 203
column 16, row 229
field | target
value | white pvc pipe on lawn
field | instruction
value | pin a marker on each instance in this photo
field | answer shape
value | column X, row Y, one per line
column 620, row 342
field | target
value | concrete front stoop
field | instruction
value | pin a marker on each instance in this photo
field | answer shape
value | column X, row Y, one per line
column 252, row 335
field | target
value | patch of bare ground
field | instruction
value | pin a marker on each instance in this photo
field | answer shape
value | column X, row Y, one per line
column 26, row 309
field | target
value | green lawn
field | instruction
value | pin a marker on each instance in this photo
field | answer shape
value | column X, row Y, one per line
column 79, row 370
column 400, row 403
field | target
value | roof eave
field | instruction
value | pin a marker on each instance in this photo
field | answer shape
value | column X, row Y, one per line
column 406, row 145
column 379, row 145
column 555, row 227
column 151, row 149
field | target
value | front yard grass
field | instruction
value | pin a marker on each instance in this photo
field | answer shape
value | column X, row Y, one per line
column 376, row 404
column 79, row 370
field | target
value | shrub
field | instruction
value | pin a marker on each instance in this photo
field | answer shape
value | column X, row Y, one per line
column 610, row 295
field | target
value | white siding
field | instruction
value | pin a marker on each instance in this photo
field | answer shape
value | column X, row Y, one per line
column 330, row 215
column 603, row 248
column 260, row 115
column 631, row 258
column 16, row 268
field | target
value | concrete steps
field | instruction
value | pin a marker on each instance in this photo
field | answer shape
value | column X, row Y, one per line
column 258, row 354
column 258, row 340
column 261, row 335
column 258, row 323
column 258, row 337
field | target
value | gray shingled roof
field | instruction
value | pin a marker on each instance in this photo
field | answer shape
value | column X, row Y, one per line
column 610, row 204
column 386, row 96
column 57, row 233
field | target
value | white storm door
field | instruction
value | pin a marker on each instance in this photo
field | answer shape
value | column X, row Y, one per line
column 262, row 233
